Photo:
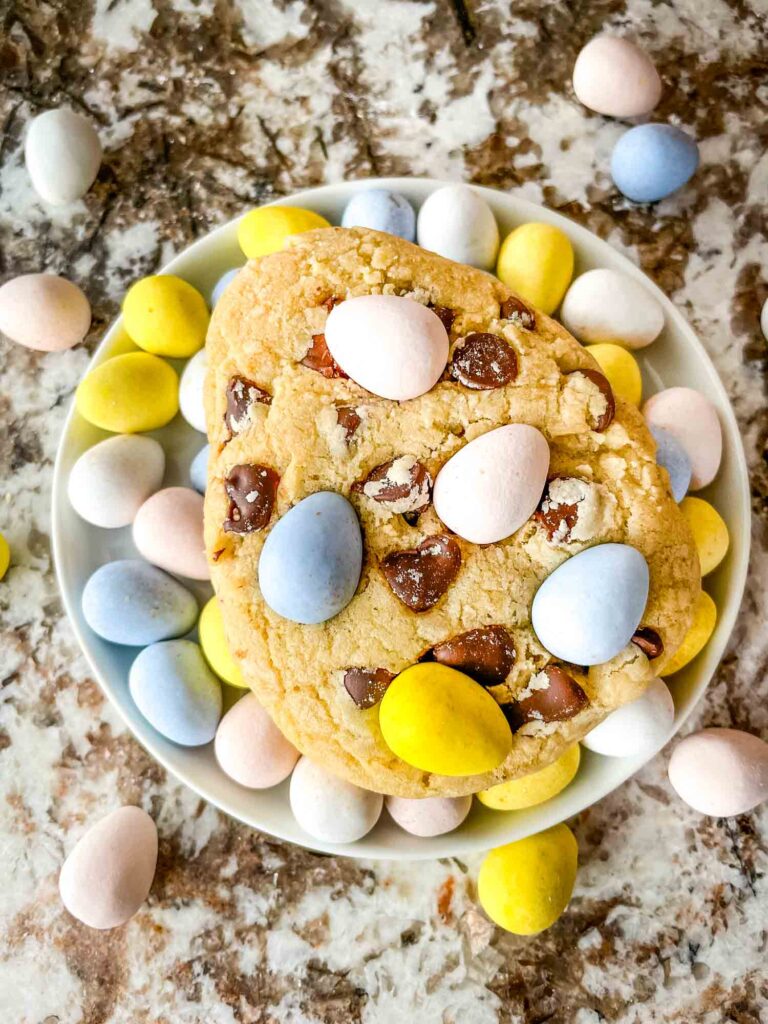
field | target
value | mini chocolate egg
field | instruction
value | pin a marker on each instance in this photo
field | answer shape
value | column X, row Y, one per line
column 213, row 641
column 492, row 485
column 456, row 222
column 536, row 787
column 607, row 306
column 111, row 481
column 108, row 873
column 429, row 816
column 132, row 603
column 176, row 692
column 250, row 748
column 620, row 369
column 191, row 387
column 168, row 531
column 63, row 155
column 588, row 609
column 671, row 455
column 381, row 210
column 5, row 556
column 329, row 808
column 710, row 533
column 536, row 261
column 693, row 421
column 652, row 161
column 697, row 637
column 613, row 76
column 720, row 772
column 222, row 284
column 311, row 560
column 130, row 393
column 637, row 729
column 165, row 315
column 44, row 312
column 198, row 469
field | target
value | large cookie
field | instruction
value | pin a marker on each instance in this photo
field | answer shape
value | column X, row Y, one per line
column 274, row 398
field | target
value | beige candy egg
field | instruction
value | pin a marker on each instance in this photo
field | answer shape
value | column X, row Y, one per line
column 251, row 749
column 44, row 311
column 615, row 77
column 168, row 531
column 721, row 772
column 429, row 816
column 63, row 155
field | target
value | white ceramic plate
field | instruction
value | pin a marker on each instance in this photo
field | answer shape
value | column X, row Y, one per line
column 677, row 357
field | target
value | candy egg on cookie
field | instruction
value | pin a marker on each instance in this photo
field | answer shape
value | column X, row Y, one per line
column 720, row 772
column 250, row 748
column 168, row 531
column 44, row 312
column 607, row 306
column 329, row 808
column 456, row 222
column 110, row 481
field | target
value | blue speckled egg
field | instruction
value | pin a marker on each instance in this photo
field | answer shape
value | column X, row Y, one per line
column 176, row 692
column 310, row 563
column 131, row 602
column 652, row 161
column 382, row 210
column 587, row 610
column 222, row 284
column 198, row 470
column 673, row 457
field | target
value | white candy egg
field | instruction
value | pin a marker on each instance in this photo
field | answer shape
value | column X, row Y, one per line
column 111, row 481
column 607, row 306
column 456, row 222
column 191, row 391
column 721, row 772
column 44, row 312
column 63, row 155
column 615, row 77
column 692, row 419
column 640, row 727
column 329, row 808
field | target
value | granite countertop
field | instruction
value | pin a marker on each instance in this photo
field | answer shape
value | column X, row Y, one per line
column 206, row 108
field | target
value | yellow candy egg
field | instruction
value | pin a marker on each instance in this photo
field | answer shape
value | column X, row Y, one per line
column 215, row 647
column 439, row 720
column 5, row 556
column 534, row 788
column 698, row 634
column 710, row 534
column 621, row 369
column 266, row 229
column 536, row 261
column 525, row 886
column 166, row 316
column 129, row 393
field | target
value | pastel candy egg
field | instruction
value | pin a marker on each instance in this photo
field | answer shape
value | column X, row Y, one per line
column 456, row 222
column 525, row 886
column 693, row 421
column 268, row 228
column 671, row 455
column 536, row 261
column 720, row 772
column 168, row 531
column 130, row 393
column 329, row 808
column 764, row 320
column 652, row 161
column 63, row 155
column 198, row 470
column 439, row 720
column 588, row 609
column 166, row 316
column 213, row 640
column 710, row 534
column 699, row 632
column 5, row 556
column 44, row 312
column 311, row 560
column 607, row 306
column 250, row 748
column 492, row 485
column 535, row 788
column 109, row 872
column 222, row 284
column 110, row 481
column 394, row 347
column 191, row 391
column 621, row 370
column 615, row 77
column 429, row 816
column 176, row 692
column 130, row 602
column 637, row 729
column 381, row 210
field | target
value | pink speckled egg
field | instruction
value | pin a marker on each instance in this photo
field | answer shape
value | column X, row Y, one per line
column 168, row 531
column 615, row 77
column 44, row 312
column 391, row 346
column 429, row 816
column 692, row 420
column 721, row 772
column 250, row 748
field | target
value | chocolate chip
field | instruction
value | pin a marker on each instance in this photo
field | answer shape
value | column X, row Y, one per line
column 649, row 642
column 319, row 359
column 241, row 395
column 551, row 696
column 348, row 419
column 251, row 491
column 605, row 419
column 515, row 309
column 366, row 686
column 445, row 315
column 331, row 301
column 483, row 362
column 487, row 654
column 420, row 576
column 556, row 518
column 404, row 484
column 412, row 518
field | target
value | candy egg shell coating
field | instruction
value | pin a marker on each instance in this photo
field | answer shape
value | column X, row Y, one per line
column 457, row 223
column 613, row 76
column 652, row 161
column 222, row 284
column 535, row 788
column 268, row 228
column 166, row 316
column 176, row 692
column 251, row 749
column 191, row 391
column 671, row 455
column 605, row 305
column 109, row 872
column 213, row 641
column 699, row 632
column 5, row 556
column 492, row 485
column 764, row 320
column 381, row 210
column 110, row 481
column 692, row 419
column 198, row 469
column 621, row 370
column 588, row 609
column 329, row 808
column 429, row 816
column 129, row 394
column 63, row 155
column 720, row 772
column 639, row 728
column 392, row 346
column 168, row 531
column 44, row 312
column 709, row 531
column 536, row 261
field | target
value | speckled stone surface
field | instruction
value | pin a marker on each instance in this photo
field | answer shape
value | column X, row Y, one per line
column 205, row 108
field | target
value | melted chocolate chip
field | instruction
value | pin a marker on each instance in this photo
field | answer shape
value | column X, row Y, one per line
column 251, row 491
column 486, row 654
column 420, row 576
column 483, row 362
column 445, row 315
column 601, row 383
column 348, row 419
column 557, row 520
column 515, row 309
column 366, row 686
column 649, row 642
column 241, row 395
column 319, row 359
column 559, row 698
column 403, row 483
